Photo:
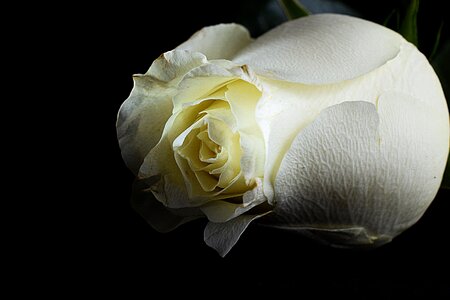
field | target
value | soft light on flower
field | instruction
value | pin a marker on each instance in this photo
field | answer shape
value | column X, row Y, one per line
column 329, row 125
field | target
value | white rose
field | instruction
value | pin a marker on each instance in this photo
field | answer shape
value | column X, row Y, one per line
column 335, row 125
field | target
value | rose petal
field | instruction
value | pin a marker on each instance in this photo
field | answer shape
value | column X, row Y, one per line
column 142, row 116
column 221, row 124
column 222, row 211
column 160, row 165
column 209, row 78
column 321, row 49
column 173, row 65
column 219, row 112
column 201, row 83
column 287, row 108
column 223, row 236
column 141, row 120
column 351, row 168
column 243, row 98
column 218, row 42
column 155, row 213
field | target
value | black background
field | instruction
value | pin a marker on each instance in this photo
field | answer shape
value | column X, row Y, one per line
column 108, row 249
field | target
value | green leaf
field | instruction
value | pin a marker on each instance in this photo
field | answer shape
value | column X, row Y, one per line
column 293, row 9
column 389, row 17
column 391, row 22
column 445, row 184
column 436, row 42
column 408, row 27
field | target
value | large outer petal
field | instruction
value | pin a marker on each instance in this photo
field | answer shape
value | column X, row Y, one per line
column 219, row 41
column 288, row 108
column 321, row 49
column 357, row 177
column 142, row 116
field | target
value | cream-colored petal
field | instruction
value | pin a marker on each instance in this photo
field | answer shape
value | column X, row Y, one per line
column 187, row 135
column 206, row 180
column 354, row 167
column 141, row 120
column 205, row 80
column 182, row 122
column 142, row 116
column 223, row 236
column 321, row 49
column 221, row 134
column 189, row 151
column 161, row 167
column 220, row 110
column 219, row 41
column 243, row 98
column 208, row 150
column 223, row 210
column 169, row 186
column 196, row 194
column 194, row 90
column 161, row 218
column 186, row 147
column 171, row 66
column 232, row 187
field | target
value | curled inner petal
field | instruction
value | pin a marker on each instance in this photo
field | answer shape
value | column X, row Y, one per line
column 209, row 153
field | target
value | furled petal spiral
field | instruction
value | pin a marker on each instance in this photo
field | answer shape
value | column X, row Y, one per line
column 211, row 149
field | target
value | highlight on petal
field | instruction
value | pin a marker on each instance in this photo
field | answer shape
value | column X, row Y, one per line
column 219, row 41
column 321, row 49
column 356, row 168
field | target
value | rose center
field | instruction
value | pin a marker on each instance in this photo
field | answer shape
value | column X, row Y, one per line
column 210, row 148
